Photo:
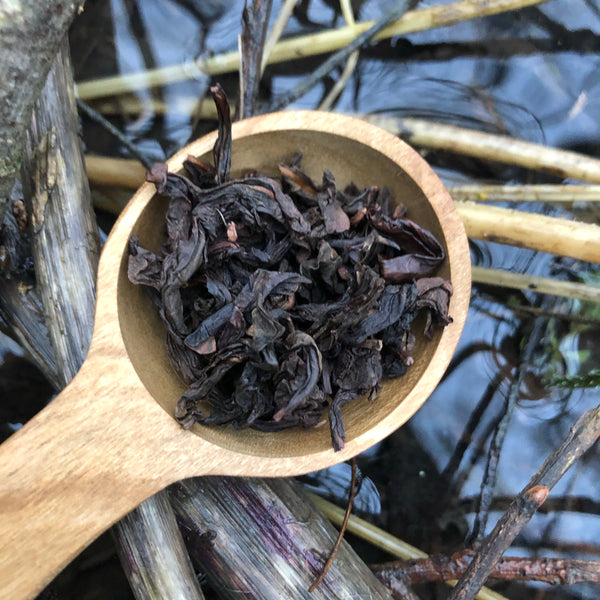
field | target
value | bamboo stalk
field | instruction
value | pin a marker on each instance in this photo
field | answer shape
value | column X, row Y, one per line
column 501, row 148
column 189, row 106
column 302, row 46
column 382, row 539
column 525, row 193
column 527, row 230
column 534, row 283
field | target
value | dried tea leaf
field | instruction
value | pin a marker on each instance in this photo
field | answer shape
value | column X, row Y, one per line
column 284, row 299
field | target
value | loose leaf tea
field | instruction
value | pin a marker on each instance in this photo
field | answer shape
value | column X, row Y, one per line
column 283, row 298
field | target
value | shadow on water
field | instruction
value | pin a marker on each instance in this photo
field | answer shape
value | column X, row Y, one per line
column 532, row 74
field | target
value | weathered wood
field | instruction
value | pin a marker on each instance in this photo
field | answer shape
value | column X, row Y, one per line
column 21, row 310
column 151, row 549
column 31, row 32
column 266, row 539
column 62, row 225
column 109, row 440
column 65, row 245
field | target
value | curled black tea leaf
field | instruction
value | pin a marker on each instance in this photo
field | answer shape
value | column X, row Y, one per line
column 285, row 299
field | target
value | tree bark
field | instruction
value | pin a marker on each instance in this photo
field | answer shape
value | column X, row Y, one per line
column 31, row 32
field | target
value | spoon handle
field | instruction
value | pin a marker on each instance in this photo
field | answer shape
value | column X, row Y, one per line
column 65, row 477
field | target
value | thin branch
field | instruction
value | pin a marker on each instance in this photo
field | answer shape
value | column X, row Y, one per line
column 582, row 436
column 580, row 504
column 105, row 124
column 531, row 341
column 340, row 536
column 285, row 12
column 349, row 67
column 497, row 542
column 556, row 571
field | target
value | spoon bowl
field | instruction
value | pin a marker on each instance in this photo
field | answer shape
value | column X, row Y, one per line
column 110, row 440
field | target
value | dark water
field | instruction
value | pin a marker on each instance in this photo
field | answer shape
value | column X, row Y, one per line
column 533, row 74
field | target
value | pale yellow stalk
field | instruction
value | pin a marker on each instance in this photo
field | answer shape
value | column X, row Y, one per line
column 562, row 237
column 501, row 148
column 542, row 285
column 441, row 15
column 526, row 193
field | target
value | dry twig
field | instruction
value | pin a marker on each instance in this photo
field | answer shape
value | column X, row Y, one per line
column 582, row 436
column 382, row 539
column 556, row 571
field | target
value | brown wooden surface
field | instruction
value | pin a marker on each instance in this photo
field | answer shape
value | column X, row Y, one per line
column 109, row 441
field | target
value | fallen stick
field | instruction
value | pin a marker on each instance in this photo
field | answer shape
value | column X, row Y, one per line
column 556, row 571
column 66, row 247
column 301, row 46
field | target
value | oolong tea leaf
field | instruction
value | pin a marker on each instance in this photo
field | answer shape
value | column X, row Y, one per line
column 284, row 298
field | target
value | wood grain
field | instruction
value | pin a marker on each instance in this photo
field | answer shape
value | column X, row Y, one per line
column 108, row 441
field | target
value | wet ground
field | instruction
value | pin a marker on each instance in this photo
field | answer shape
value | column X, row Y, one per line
column 533, row 74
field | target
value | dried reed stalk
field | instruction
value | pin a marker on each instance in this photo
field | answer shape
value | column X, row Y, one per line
column 301, row 46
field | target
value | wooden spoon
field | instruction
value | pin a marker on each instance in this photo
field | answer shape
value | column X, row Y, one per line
column 109, row 440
